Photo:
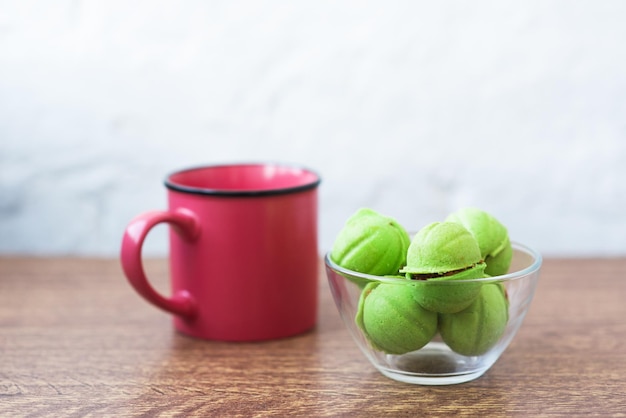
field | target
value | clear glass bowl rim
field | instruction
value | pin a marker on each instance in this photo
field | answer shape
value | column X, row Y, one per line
column 515, row 275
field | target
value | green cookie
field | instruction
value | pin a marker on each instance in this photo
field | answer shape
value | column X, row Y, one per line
column 392, row 320
column 492, row 237
column 476, row 329
column 442, row 252
column 371, row 243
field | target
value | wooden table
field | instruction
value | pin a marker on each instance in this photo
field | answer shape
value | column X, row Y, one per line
column 75, row 340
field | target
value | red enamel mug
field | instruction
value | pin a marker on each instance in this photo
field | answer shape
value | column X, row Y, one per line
column 243, row 251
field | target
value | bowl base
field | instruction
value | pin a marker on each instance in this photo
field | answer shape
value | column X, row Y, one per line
column 435, row 364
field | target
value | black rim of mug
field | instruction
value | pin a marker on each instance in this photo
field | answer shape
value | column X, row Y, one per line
column 242, row 193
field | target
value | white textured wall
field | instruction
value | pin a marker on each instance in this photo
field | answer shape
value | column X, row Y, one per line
column 413, row 108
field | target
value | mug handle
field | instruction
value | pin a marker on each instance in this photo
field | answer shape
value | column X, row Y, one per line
column 184, row 223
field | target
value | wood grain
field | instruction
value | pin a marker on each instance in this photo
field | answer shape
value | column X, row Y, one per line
column 75, row 340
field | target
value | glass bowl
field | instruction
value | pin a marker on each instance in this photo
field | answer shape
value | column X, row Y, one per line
column 436, row 363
